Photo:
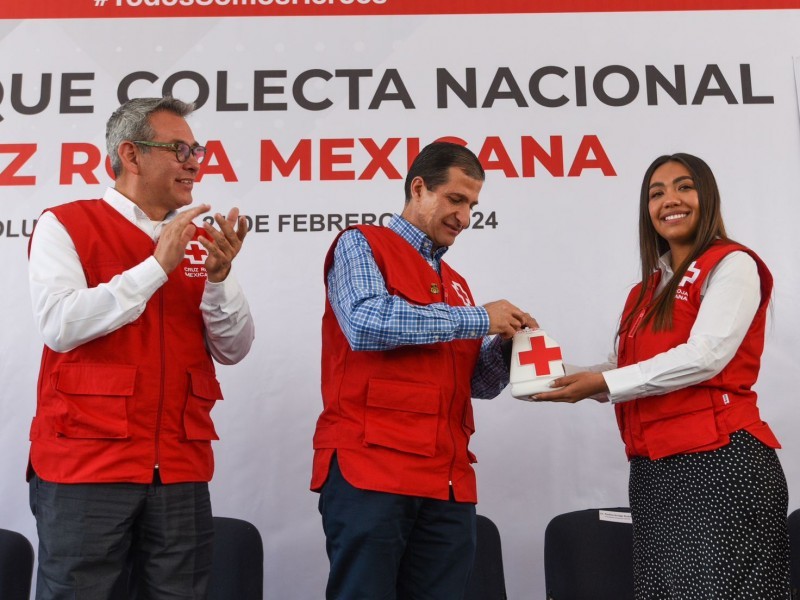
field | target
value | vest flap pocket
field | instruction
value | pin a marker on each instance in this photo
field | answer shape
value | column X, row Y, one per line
column 679, row 402
column 96, row 379
column 680, row 434
column 205, row 385
column 203, row 392
column 403, row 416
column 91, row 400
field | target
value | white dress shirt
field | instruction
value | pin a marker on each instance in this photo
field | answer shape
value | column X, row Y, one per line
column 69, row 313
column 731, row 296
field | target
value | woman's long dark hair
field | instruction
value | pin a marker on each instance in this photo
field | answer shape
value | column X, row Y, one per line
column 651, row 245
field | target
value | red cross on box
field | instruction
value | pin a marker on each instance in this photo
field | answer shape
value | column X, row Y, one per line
column 539, row 356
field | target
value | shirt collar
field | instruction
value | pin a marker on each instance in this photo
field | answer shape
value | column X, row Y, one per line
column 665, row 265
column 128, row 209
column 415, row 237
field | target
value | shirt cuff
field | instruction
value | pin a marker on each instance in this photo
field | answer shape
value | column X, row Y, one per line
column 221, row 293
column 624, row 383
column 147, row 277
column 472, row 322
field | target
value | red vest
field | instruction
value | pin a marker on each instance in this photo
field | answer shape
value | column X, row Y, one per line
column 140, row 396
column 701, row 417
column 399, row 420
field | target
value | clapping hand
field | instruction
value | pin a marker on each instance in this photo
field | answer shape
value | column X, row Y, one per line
column 223, row 244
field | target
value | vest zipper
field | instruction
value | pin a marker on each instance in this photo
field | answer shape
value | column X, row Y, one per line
column 450, row 425
column 628, row 351
column 450, row 405
column 636, row 323
column 162, row 344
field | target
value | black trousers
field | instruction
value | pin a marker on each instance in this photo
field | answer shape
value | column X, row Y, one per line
column 387, row 546
column 89, row 534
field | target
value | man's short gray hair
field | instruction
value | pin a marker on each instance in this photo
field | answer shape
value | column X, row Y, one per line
column 131, row 122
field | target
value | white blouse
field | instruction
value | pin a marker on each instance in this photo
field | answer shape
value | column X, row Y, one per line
column 731, row 296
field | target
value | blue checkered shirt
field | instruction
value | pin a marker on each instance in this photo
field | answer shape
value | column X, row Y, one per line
column 373, row 319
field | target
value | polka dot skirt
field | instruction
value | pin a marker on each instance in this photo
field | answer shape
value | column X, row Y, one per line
column 711, row 525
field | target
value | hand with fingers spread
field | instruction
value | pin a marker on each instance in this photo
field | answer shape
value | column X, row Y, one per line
column 171, row 246
column 223, row 244
column 506, row 319
column 574, row 388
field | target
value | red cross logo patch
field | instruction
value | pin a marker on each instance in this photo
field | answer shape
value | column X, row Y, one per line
column 539, row 356
column 692, row 273
column 461, row 293
column 195, row 253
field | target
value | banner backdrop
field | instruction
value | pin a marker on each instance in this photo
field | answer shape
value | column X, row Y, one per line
column 312, row 112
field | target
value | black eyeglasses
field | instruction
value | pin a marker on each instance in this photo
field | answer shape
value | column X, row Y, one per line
column 181, row 149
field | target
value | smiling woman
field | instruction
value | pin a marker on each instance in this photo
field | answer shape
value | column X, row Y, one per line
column 674, row 208
column 706, row 487
column 680, row 213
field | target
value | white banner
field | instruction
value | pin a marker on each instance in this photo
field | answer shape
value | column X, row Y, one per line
column 797, row 79
column 310, row 123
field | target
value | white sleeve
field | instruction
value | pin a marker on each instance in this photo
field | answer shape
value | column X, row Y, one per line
column 67, row 312
column 732, row 297
column 229, row 325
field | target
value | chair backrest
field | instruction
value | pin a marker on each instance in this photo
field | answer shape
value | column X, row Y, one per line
column 794, row 542
column 588, row 555
column 16, row 566
column 487, row 579
column 237, row 569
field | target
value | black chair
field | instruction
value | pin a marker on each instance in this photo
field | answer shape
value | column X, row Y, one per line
column 237, row 569
column 589, row 558
column 487, row 580
column 794, row 543
column 16, row 566
column 237, row 566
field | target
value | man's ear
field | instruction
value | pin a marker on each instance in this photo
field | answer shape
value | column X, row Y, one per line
column 129, row 156
column 417, row 187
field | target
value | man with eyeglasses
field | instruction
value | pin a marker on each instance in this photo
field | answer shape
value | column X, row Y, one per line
column 134, row 302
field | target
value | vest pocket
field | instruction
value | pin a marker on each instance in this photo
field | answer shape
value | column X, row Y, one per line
column 673, row 404
column 680, row 434
column 678, row 422
column 403, row 416
column 202, row 393
column 91, row 400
